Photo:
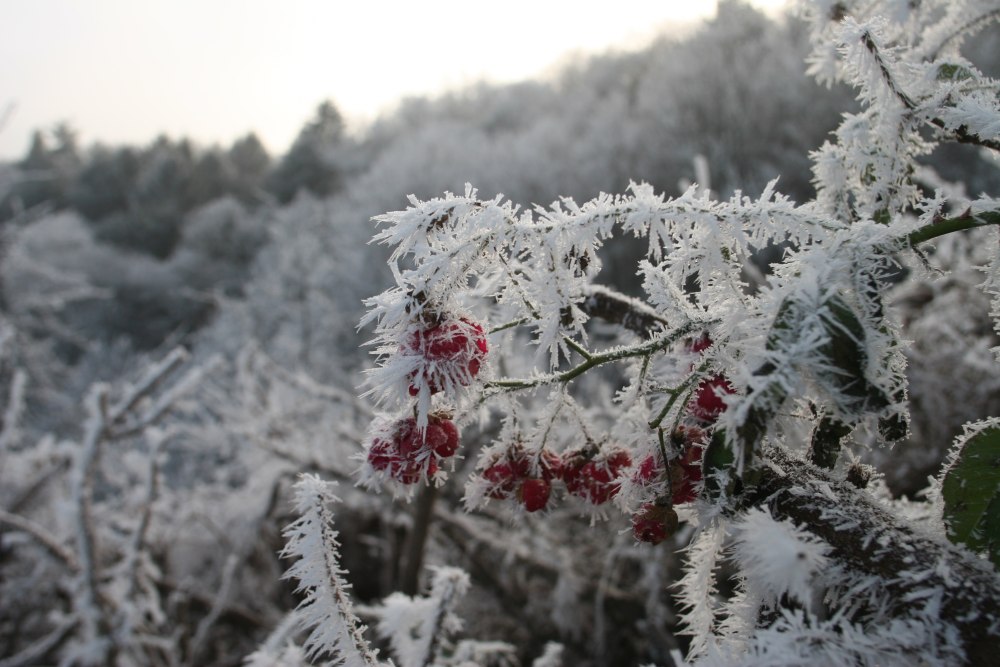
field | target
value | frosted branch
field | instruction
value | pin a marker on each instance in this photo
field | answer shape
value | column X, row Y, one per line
column 43, row 537
column 867, row 538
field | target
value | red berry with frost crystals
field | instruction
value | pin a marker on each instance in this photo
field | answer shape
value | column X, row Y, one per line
column 699, row 344
column 452, row 349
column 442, row 436
column 685, row 435
column 708, row 403
column 570, row 466
column 649, row 470
column 550, row 465
column 596, row 484
column 653, row 523
column 407, row 455
column 413, row 472
column 534, row 493
column 382, row 454
column 597, row 481
column 502, row 480
column 686, row 474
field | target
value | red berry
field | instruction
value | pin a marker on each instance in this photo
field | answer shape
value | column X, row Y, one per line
column 597, row 484
column 684, row 492
column 534, row 493
column 451, row 349
column 413, row 472
column 382, row 454
column 686, row 435
column 442, row 436
column 619, row 460
column 649, row 470
column 594, row 480
column 699, row 344
column 570, row 466
column 502, row 480
column 708, row 404
column 550, row 465
column 654, row 523
column 685, row 475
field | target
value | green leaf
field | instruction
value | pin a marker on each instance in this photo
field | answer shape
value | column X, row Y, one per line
column 953, row 72
column 719, row 459
column 971, row 492
column 846, row 354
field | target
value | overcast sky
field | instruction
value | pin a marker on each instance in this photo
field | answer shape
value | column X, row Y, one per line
column 124, row 71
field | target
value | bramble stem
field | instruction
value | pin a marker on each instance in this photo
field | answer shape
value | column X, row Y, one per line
column 968, row 220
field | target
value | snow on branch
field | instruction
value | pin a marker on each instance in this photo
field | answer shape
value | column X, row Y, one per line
column 891, row 571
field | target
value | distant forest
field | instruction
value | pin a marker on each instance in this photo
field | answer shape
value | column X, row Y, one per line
column 731, row 96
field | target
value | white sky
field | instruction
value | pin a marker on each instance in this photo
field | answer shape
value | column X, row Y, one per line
column 124, row 71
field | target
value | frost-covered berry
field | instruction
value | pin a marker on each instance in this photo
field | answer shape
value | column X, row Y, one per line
column 708, row 403
column 408, row 454
column 550, row 465
column 442, row 436
column 699, row 344
column 451, row 350
column 685, row 436
column 654, row 523
column 502, row 480
column 685, row 474
column 595, row 480
column 648, row 470
column 508, row 472
column 534, row 493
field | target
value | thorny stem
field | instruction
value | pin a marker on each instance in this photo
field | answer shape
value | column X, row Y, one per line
column 967, row 220
column 579, row 349
column 509, row 325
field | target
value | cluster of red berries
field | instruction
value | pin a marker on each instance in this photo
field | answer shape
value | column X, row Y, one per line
column 595, row 479
column 452, row 349
column 407, row 454
column 526, row 477
column 529, row 477
column 655, row 521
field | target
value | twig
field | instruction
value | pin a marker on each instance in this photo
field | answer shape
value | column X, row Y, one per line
column 33, row 654
column 43, row 537
column 215, row 611
column 413, row 555
column 84, row 469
